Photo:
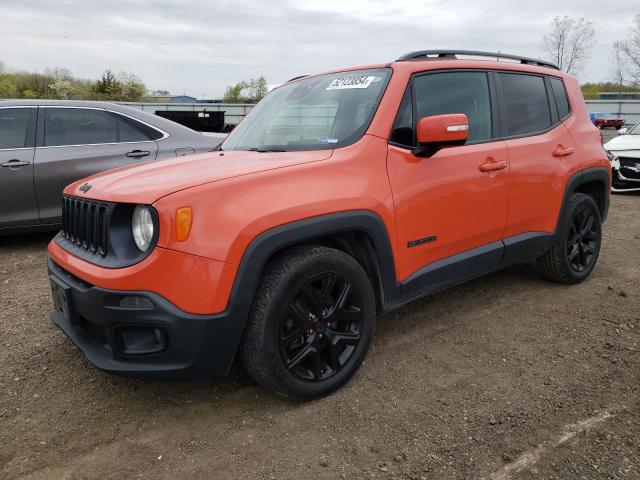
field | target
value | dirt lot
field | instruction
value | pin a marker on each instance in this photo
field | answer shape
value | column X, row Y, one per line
column 506, row 377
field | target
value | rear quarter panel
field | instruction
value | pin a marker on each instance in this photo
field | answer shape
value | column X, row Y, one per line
column 585, row 134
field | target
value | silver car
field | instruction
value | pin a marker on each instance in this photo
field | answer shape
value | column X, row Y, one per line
column 47, row 144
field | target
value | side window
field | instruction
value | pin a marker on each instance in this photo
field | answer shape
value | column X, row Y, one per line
column 14, row 125
column 81, row 126
column 526, row 105
column 455, row 92
column 560, row 95
column 78, row 126
column 128, row 133
column 149, row 132
column 402, row 132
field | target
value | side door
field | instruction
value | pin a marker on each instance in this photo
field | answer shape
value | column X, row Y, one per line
column 18, row 206
column 450, row 214
column 75, row 142
column 541, row 151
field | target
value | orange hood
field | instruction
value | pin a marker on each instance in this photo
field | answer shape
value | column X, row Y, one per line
column 149, row 181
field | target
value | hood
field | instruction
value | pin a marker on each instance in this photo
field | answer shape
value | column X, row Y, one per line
column 147, row 182
column 623, row 142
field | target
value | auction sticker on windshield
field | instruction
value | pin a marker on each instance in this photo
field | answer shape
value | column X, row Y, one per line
column 350, row 82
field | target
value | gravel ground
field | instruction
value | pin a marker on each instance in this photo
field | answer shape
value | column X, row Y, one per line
column 505, row 377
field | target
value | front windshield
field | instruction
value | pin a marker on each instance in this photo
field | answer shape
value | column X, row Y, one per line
column 635, row 130
column 323, row 112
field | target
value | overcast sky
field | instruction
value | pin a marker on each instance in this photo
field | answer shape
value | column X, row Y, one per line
column 200, row 47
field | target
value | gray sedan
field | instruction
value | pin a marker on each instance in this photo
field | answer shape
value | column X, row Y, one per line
column 45, row 145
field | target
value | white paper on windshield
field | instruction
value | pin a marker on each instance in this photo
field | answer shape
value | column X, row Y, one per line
column 350, row 82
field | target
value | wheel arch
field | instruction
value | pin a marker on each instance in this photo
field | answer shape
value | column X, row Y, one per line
column 361, row 234
column 594, row 182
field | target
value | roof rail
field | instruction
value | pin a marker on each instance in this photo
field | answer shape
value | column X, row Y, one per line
column 433, row 54
column 296, row 78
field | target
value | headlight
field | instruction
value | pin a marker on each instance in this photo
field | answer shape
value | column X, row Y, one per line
column 615, row 162
column 142, row 227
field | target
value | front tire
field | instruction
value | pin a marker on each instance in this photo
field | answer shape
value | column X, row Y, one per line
column 576, row 246
column 311, row 323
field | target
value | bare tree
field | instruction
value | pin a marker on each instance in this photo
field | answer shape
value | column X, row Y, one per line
column 630, row 49
column 619, row 66
column 569, row 43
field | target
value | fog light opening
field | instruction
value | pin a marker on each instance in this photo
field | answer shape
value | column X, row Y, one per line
column 141, row 340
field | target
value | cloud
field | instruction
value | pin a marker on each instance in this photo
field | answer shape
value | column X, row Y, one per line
column 200, row 47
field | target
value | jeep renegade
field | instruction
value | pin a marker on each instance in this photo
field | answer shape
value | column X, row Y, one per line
column 339, row 197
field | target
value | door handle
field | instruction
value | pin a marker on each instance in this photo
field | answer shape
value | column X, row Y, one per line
column 138, row 153
column 561, row 151
column 14, row 162
column 492, row 166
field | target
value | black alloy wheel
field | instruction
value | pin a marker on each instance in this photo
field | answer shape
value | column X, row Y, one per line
column 311, row 322
column 320, row 327
column 583, row 240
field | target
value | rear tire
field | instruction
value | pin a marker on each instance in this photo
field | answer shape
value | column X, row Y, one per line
column 311, row 323
column 576, row 246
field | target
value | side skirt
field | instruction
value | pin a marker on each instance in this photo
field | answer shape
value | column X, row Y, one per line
column 473, row 263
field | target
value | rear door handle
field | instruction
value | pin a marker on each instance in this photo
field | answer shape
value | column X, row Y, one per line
column 138, row 153
column 492, row 166
column 15, row 163
column 561, row 151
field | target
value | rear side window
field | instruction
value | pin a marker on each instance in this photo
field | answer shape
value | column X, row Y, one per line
column 525, row 102
column 560, row 95
column 455, row 92
column 14, row 125
column 80, row 126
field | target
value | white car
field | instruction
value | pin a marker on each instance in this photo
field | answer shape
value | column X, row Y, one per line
column 624, row 154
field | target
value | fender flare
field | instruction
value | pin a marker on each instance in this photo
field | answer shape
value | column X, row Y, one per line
column 597, row 174
column 265, row 245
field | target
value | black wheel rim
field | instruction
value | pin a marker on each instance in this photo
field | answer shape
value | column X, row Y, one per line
column 582, row 242
column 320, row 327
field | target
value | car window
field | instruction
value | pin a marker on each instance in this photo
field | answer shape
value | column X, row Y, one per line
column 128, row 133
column 298, row 122
column 456, row 92
column 402, row 132
column 14, row 124
column 80, row 126
column 315, row 113
column 560, row 95
column 525, row 103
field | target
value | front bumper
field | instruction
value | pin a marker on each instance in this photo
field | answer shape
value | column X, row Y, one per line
column 168, row 341
column 622, row 182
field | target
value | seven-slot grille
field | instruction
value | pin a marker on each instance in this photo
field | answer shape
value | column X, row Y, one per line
column 86, row 223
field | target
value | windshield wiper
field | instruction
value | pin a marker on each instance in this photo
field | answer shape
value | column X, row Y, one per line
column 265, row 149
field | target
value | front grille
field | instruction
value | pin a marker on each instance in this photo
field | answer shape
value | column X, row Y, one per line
column 630, row 167
column 86, row 224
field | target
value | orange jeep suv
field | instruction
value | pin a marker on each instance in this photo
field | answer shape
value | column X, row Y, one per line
column 341, row 196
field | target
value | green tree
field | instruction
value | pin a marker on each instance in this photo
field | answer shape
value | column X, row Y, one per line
column 251, row 91
column 28, row 93
column 8, row 89
column 107, row 86
column 131, row 87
